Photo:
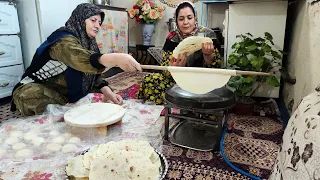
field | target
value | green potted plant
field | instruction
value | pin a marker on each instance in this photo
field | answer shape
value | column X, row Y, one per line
column 253, row 54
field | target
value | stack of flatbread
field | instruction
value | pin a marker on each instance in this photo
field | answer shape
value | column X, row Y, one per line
column 126, row 159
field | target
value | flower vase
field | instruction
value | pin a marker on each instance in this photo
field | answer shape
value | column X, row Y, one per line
column 147, row 31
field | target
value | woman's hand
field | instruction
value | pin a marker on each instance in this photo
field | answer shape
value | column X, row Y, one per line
column 207, row 51
column 181, row 61
column 124, row 61
column 207, row 48
column 109, row 95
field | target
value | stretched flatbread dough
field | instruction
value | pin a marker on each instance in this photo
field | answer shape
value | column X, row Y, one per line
column 190, row 45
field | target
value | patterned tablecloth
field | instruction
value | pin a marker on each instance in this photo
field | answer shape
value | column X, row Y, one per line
column 140, row 122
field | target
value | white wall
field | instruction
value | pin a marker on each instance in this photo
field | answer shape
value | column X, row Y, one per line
column 258, row 18
column 304, row 62
column 54, row 13
column 161, row 29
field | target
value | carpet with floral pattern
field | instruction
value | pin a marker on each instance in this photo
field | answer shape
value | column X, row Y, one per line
column 251, row 142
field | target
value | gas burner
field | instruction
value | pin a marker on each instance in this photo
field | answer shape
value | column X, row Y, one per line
column 202, row 117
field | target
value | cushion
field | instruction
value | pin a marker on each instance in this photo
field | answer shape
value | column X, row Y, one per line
column 300, row 152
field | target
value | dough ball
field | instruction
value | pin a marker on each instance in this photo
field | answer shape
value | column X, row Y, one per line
column 37, row 141
column 74, row 140
column 54, row 133
column 2, row 152
column 29, row 136
column 54, row 147
column 19, row 146
column 59, row 140
column 67, row 135
column 12, row 140
column 24, row 153
column 16, row 133
column 69, row 148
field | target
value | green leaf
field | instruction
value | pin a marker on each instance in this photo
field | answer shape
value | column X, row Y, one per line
column 242, row 50
column 257, row 62
column 273, row 81
column 234, row 45
column 244, row 61
column 249, row 79
column 245, row 89
column 249, row 34
column 252, row 48
column 268, row 36
column 266, row 48
column 276, row 54
column 259, row 40
column 233, row 59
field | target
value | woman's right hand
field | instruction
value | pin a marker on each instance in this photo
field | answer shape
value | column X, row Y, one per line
column 122, row 60
column 180, row 61
column 128, row 63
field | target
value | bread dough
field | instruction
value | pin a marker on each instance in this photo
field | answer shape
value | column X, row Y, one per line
column 29, row 136
column 19, row 146
column 37, row 141
column 74, row 140
column 2, row 152
column 69, row 148
column 12, row 140
column 59, row 140
column 190, row 45
column 54, row 147
column 24, row 153
column 54, row 133
column 66, row 135
column 16, row 133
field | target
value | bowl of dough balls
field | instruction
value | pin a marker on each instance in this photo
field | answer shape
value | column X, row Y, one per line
column 122, row 160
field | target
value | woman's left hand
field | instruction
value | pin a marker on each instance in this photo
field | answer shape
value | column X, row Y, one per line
column 207, row 48
column 109, row 95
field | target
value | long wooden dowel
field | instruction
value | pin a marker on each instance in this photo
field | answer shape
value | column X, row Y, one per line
column 207, row 70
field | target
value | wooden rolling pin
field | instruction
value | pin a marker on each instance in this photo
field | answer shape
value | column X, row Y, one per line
column 205, row 70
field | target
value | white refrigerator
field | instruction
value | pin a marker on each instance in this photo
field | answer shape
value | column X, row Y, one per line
column 38, row 19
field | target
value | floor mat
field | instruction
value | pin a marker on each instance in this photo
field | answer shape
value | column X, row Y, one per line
column 251, row 143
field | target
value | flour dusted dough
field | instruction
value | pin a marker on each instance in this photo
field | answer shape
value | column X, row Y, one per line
column 66, row 135
column 2, row 152
column 19, row 146
column 59, row 140
column 37, row 141
column 54, row 147
column 29, row 136
column 69, row 148
column 74, row 140
column 16, row 133
column 190, row 45
column 54, row 133
column 11, row 140
column 24, row 153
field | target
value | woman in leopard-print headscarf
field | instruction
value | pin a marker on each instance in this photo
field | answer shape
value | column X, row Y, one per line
column 67, row 65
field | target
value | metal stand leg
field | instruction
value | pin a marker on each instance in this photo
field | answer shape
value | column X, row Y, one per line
column 166, row 124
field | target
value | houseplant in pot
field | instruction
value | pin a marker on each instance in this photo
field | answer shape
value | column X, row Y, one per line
column 253, row 54
column 146, row 12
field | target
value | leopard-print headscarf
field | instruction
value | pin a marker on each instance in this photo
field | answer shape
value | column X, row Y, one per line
column 76, row 24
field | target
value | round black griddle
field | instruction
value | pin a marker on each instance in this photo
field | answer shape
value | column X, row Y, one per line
column 218, row 99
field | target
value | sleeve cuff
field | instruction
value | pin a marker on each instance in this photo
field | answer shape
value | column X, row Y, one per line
column 94, row 61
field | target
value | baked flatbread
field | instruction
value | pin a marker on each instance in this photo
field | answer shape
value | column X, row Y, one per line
column 190, row 45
